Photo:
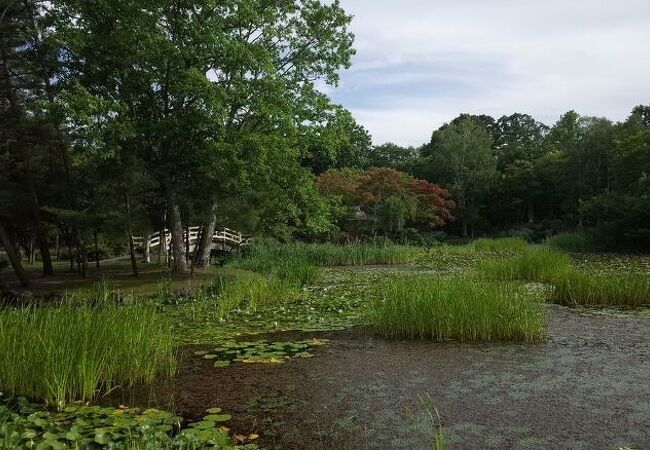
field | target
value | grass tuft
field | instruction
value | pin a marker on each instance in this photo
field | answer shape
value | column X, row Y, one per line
column 584, row 289
column 460, row 308
column 236, row 288
column 73, row 353
column 541, row 264
column 512, row 244
column 577, row 242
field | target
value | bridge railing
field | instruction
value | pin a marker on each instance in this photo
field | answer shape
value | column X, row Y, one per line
column 224, row 235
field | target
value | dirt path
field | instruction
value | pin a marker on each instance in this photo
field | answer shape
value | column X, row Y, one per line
column 588, row 387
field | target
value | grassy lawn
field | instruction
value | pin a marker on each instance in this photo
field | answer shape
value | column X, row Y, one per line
column 117, row 272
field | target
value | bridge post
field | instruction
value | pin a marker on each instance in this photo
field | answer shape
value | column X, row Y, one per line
column 147, row 249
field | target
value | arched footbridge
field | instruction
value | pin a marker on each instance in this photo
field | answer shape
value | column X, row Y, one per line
column 224, row 239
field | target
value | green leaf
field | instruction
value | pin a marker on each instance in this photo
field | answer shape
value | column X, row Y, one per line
column 218, row 417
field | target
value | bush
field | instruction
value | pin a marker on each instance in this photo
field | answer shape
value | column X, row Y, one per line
column 421, row 306
column 573, row 242
column 582, row 289
column 541, row 264
column 69, row 353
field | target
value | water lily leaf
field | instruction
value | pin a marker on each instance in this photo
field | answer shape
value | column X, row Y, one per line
column 218, row 417
column 213, row 410
column 203, row 424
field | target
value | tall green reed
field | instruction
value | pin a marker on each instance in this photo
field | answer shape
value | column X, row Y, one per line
column 587, row 289
column 459, row 308
column 541, row 264
column 74, row 352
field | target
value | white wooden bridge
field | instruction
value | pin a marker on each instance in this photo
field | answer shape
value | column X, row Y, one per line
column 224, row 239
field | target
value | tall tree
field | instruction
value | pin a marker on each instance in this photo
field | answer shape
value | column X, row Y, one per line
column 196, row 82
column 461, row 159
column 25, row 132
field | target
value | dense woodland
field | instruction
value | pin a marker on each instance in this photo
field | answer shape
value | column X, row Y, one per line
column 124, row 118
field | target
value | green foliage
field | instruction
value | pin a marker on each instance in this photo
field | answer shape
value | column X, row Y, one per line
column 540, row 264
column 294, row 260
column 460, row 158
column 78, row 426
column 577, row 288
column 385, row 201
column 577, row 242
column 237, row 288
column 68, row 353
column 460, row 308
column 620, row 220
column 513, row 244
column 278, row 261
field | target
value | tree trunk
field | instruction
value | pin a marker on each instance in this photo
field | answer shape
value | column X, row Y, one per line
column 82, row 256
column 70, row 257
column 204, row 247
column 178, row 264
column 43, row 244
column 531, row 212
column 14, row 258
column 96, row 248
column 129, row 234
column 22, row 154
column 162, row 246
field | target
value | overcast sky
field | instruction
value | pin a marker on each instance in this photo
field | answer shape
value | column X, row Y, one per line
column 420, row 63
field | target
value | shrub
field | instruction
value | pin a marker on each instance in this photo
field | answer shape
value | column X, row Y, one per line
column 541, row 264
column 573, row 242
column 69, row 353
column 421, row 306
column 623, row 289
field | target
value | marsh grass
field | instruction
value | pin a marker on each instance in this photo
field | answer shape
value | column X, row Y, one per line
column 237, row 288
column 267, row 254
column 435, row 422
column 576, row 242
column 511, row 244
column 73, row 353
column 459, row 308
column 540, row 264
column 613, row 289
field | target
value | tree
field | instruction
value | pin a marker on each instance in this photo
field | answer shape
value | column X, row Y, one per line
column 461, row 159
column 392, row 155
column 518, row 137
column 198, row 86
column 390, row 199
column 24, row 83
column 340, row 142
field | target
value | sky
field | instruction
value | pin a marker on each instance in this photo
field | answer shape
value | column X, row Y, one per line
column 420, row 63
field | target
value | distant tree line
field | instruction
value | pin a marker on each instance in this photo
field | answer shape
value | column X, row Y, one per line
column 516, row 175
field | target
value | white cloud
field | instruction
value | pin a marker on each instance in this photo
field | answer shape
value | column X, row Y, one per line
column 420, row 63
